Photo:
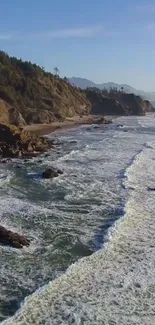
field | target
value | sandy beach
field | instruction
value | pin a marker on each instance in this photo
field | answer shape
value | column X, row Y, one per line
column 43, row 129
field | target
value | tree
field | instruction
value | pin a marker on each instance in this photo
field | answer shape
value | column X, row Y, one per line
column 65, row 79
column 56, row 71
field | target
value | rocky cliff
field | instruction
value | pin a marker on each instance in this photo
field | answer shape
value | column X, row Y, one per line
column 115, row 102
column 39, row 96
column 10, row 114
column 28, row 95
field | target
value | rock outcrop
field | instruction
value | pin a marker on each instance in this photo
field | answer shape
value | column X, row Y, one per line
column 10, row 114
column 9, row 238
column 102, row 105
column 51, row 173
column 31, row 95
column 148, row 106
column 116, row 103
column 16, row 143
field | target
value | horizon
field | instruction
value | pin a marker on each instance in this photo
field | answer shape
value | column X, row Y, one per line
column 100, row 41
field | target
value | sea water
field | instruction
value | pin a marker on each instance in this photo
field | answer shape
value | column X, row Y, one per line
column 92, row 253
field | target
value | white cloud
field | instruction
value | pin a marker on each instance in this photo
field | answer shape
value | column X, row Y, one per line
column 77, row 32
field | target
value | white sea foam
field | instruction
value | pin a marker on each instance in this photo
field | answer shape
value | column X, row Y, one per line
column 116, row 285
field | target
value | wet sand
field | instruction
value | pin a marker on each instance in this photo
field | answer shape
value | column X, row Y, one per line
column 43, row 129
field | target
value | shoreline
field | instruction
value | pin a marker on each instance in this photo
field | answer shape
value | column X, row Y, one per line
column 45, row 129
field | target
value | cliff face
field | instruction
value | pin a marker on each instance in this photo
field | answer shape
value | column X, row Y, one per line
column 148, row 106
column 134, row 105
column 28, row 95
column 10, row 114
column 39, row 96
column 103, row 105
column 117, row 103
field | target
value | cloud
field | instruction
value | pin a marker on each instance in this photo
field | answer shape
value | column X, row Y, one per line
column 77, row 32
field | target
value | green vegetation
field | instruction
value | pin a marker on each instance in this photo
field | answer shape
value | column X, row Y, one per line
column 30, row 94
column 117, row 102
column 39, row 96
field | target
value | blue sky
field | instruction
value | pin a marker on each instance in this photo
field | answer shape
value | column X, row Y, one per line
column 112, row 40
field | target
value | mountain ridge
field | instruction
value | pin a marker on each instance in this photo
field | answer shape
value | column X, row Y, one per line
column 86, row 83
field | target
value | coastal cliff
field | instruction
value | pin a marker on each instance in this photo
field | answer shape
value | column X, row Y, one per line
column 116, row 102
column 30, row 95
column 39, row 96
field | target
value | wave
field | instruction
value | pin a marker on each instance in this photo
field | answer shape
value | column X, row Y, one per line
column 116, row 284
column 103, row 288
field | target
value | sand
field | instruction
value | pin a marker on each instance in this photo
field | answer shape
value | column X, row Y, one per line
column 43, row 129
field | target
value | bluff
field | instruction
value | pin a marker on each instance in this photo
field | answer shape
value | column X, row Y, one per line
column 116, row 102
column 39, row 96
column 29, row 94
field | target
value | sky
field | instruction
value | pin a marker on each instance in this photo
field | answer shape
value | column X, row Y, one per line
column 101, row 40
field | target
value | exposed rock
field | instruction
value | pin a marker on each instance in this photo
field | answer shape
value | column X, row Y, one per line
column 60, row 172
column 31, row 95
column 15, row 143
column 10, row 114
column 151, row 189
column 148, row 106
column 12, row 239
column 102, row 120
column 116, row 103
column 49, row 173
column 102, row 105
column 4, row 161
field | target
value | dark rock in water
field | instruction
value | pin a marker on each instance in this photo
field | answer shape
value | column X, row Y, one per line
column 151, row 189
column 47, row 155
column 125, row 130
column 101, row 121
column 73, row 141
column 60, row 172
column 40, row 161
column 49, row 173
column 120, row 125
column 18, row 166
column 12, row 239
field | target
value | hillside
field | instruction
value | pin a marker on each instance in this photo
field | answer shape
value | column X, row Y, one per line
column 116, row 102
column 29, row 95
column 39, row 96
column 85, row 83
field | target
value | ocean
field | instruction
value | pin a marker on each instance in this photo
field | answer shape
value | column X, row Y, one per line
column 92, row 230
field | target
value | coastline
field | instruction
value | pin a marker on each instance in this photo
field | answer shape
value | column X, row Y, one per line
column 45, row 129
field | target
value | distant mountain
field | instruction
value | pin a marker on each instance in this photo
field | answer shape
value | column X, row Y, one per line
column 85, row 83
column 82, row 82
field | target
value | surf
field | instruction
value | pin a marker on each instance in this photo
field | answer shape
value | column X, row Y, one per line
column 100, row 287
